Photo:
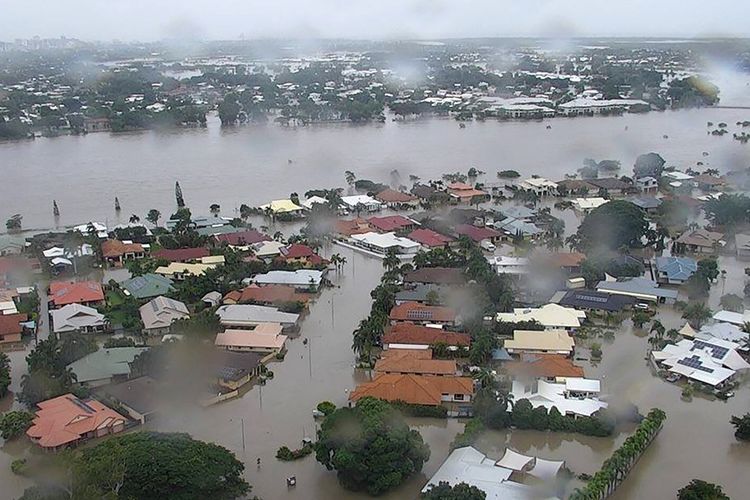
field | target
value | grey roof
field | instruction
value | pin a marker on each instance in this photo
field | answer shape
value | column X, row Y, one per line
column 105, row 363
column 236, row 365
column 518, row 212
column 417, row 293
column 591, row 299
column 645, row 202
column 161, row 312
column 138, row 394
column 637, row 285
column 148, row 286
column 252, row 314
column 74, row 317
column 516, row 226
column 676, row 268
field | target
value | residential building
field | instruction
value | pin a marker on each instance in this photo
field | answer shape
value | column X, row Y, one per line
column 249, row 316
column 185, row 255
column 612, row 185
column 550, row 316
column 418, row 362
column 11, row 328
column 241, row 240
column 266, row 295
column 734, row 318
column 701, row 241
column 648, row 204
column 549, row 367
column 66, row 421
column 268, row 250
column 515, row 266
column 62, row 293
column 742, row 246
column 576, row 397
column 707, row 183
column 710, row 361
column 436, row 276
column 75, row 318
column 177, row 271
column 569, row 262
column 592, row 300
column 392, row 224
column 647, row 185
column 430, row 239
column 106, row 365
column 464, row 193
column 346, row 228
column 589, row 106
column 381, row 243
column 421, row 293
column 297, row 253
column 301, row 279
column 675, row 270
column 138, row 397
column 422, row 314
column 235, row 369
column 147, row 286
column 411, row 336
column 640, row 288
column 286, row 207
column 397, row 199
column 264, row 338
column 453, row 393
column 159, row 314
column 517, row 228
column 116, row 252
column 478, row 234
column 539, row 186
column 540, row 342
column 361, row 203
column 586, row 205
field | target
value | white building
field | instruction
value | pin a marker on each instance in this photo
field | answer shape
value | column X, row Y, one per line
column 550, row 316
column 575, row 397
column 361, row 202
column 539, row 186
column 509, row 265
column 586, row 205
column 380, row 243
column 590, row 106
column 78, row 318
column 710, row 361
column 301, row 278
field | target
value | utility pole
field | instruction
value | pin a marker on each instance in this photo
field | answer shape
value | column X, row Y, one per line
column 309, row 354
column 242, row 420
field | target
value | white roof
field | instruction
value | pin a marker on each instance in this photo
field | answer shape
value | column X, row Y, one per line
column 546, row 469
column 578, row 384
column 549, row 395
column 76, row 316
column 250, row 314
column 732, row 317
column 161, row 312
column 677, row 175
column 549, row 316
column 314, row 200
column 514, row 461
column 301, row 277
column 588, row 203
column 509, row 265
column 539, row 182
column 359, row 199
column 587, row 102
column 385, row 240
column 84, row 249
column 268, row 248
column 707, row 360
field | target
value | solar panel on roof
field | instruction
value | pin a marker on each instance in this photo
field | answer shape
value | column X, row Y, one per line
column 716, row 351
column 419, row 314
column 591, row 298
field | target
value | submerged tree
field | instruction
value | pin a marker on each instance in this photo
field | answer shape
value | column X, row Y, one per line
column 14, row 223
column 178, row 195
column 701, row 490
column 153, row 216
column 55, row 209
column 117, row 204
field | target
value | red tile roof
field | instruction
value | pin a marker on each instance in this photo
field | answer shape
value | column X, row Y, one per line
column 242, row 238
column 181, row 254
column 390, row 223
column 545, row 366
column 414, row 311
column 67, row 292
column 116, row 248
column 413, row 389
column 407, row 362
column 10, row 324
column 348, row 227
column 393, row 196
column 429, row 238
column 567, row 259
column 477, row 234
column 410, row 334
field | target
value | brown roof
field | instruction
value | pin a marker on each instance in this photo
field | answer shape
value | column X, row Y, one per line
column 567, row 259
column 393, row 196
column 410, row 334
column 700, row 237
column 544, row 366
column 398, row 361
column 10, row 324
column 709, row 180
column 437, row 275
column 181, row 254
column 414, row 311
column 412, row 389
column 270, row 294
column 348, row 227
column 116, row 248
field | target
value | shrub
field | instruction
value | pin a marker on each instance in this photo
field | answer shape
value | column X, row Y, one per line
column 326, row 407
column 472, row 430
column 413, row 410
column 286, row 455
column 18, row 466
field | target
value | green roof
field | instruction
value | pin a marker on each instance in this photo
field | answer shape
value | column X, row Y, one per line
column 147, row 286
column 105, row 363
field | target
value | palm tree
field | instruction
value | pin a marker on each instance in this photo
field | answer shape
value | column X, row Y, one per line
column 134, row 219
column 215, row 208
column 245, row 212
column 350, row 177
column 153, row 216
column 278, row 236
column 657, row 327
column 485, row 378
column 391, row 262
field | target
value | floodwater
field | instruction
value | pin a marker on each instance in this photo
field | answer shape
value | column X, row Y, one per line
column 250, row 165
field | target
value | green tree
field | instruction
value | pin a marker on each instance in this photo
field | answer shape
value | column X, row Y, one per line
column 696, row 313
column 640, row 318
column 153, row 216
column 701, row 490
column 741, row 427
column 178, row 195
column 461, row 491
column 14, row 223
column 732, row 302
column 48, row 374
column 616, row 224
column 154, row 465
column 4, row 374
column 15, row 423
column 370, row 446
column 648, row 165
column 727, row 210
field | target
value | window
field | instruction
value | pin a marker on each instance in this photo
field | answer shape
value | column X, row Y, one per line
column 458, row 397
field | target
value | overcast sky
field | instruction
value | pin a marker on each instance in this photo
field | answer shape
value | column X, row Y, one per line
column 229, row 19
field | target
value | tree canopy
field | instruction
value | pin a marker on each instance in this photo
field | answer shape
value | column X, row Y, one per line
column 612, row 226
column 727, row 210
column 370, row 446
column 461, row 491
column 742, row 427
column 648, row 165
column 701, row 490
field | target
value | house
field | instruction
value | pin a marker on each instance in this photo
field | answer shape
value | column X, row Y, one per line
column 515, row 228
column 648, row 204
column 392, row 224
column 421, row 293
column 550, row 367
column 301, row 279
column 539, row 186
column 540, row 342
column 397, row 199
column 62, row 293
column 678, row 179
column 640, row 288
column 241, row 240
column 453, row 393
column 515, row 266
column 235, row 369
column 147, row 286
column 361, row 203
column 592, row 300
column 105, row 366
column 116, row 252
column 709, row 182
column 346, row 227
column 267, row 250
column 92, row 125
column 675, row 270
column 264, row 338
column 265, row 295
column 430, row 239
column 381, row 243
column 647, row 185
column 550, row 316
column 310, row 203
column 211, row 299
column 11, row 328
column 417, row 313
column 66, row 421
column 411, row 336
column 297, row 253
column 569, row 262
column 478, row 234
column 178, row 270
column 199, row 222
column 586, row 205
column 612, row 185
column 185, row 255
column 701, row 241
column 426, row 193
column 79, row 319
column 285, row 207
column 713, row 361
column 464, row 193
column 418, row 362
column 576, row 397
column 138, row 397
column 249, row 316
column 742, row 246
column 436, row 276
column 723, row 331
column 732, row 317
column 159, row 314
column 469, row 466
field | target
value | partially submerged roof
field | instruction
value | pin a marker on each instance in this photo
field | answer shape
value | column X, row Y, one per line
column 105, row 363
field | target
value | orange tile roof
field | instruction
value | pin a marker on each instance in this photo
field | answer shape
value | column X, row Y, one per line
column 414, row 311
column 271, row 294
column 412, row 389
column 10, row 324
column 66, row 419
column 68, row 292
column 393, row 196
column 348, row 227
column 407, row 362
column 417, row 353
column 407, row 333
column 567, row 259
column 544, row 366
column 116, row 248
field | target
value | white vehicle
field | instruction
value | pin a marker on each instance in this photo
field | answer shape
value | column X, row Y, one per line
column 487, row 245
